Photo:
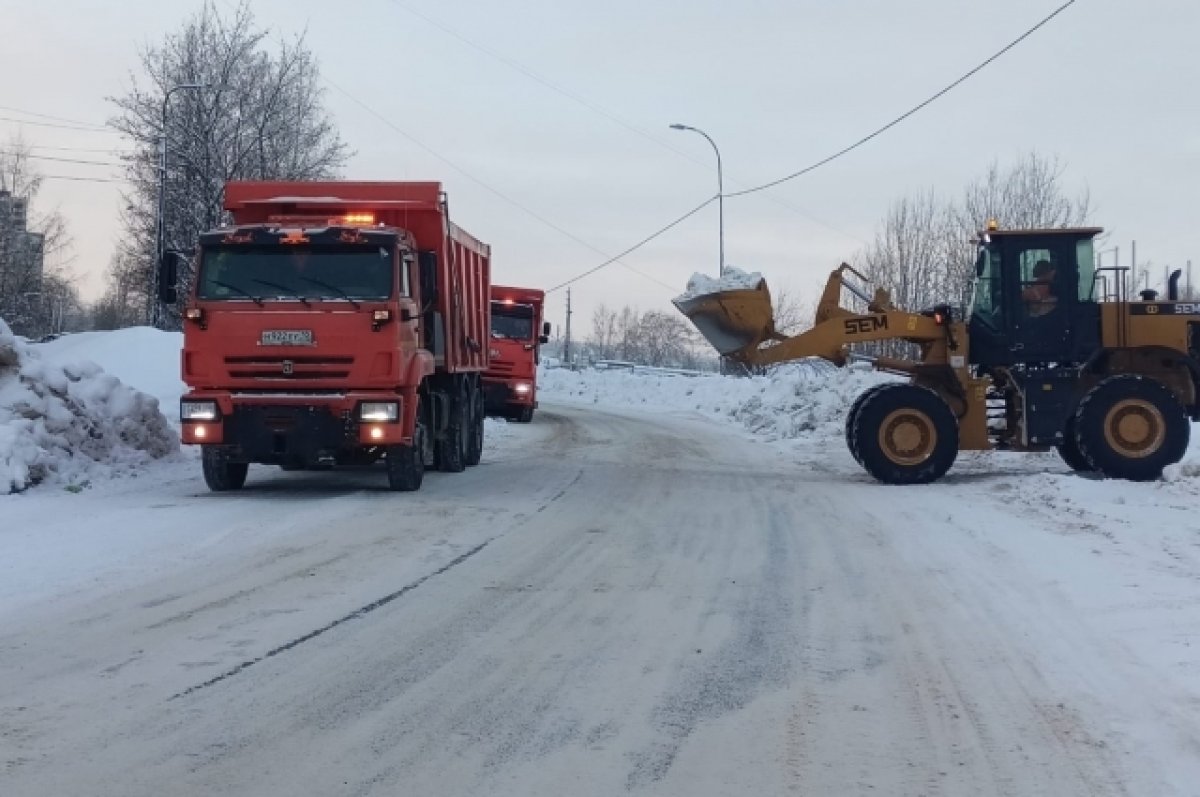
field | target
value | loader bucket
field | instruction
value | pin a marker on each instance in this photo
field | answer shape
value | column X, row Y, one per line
column 735, row 321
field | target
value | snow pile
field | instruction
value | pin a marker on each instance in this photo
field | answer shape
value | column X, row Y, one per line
column 734, row 280
column 71, row 422
column 805, row 399
column 142, row 357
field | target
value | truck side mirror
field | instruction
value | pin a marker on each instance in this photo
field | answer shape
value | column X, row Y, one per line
column 427, row 266
column 168, row 276
column 545, row 336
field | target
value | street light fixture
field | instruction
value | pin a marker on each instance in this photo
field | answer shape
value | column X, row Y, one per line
column 720, row 191
column 160, row 231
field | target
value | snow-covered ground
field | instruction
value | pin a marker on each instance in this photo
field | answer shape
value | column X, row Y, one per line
column 688, row 587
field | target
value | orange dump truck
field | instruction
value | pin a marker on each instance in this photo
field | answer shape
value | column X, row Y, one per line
column 510, row 383
column 335, row 324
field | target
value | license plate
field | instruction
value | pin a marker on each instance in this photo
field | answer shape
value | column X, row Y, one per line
column 286, row 337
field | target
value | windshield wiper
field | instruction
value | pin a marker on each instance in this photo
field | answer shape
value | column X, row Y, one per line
column 287, row 291
column 333, row 288
column 242, row 291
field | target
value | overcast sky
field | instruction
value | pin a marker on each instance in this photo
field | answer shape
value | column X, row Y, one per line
column 562, row 108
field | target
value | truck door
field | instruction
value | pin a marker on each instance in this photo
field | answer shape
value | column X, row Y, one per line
column 1042, row 297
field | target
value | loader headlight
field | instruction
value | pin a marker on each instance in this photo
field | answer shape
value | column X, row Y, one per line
column 198, row 410
column 379, row 411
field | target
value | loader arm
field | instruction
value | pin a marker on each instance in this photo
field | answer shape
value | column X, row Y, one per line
column 740, row 323
column 831, row 340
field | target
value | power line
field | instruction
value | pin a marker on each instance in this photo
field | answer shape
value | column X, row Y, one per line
column 638, row 245
column 613, row 117
column 81, row 179
column 77, row 128
column 102, row 150
column 910, row 111
column 59, row 160
column 51, row 118
column 496, row 192
column 846, row 150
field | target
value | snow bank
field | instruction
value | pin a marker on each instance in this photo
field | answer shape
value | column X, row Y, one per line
column 734, row 279
column 804, row 399
column 71, row 422
column 145, row 358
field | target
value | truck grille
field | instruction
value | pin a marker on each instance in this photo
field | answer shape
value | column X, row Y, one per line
column 501, row 367
column 280, row 368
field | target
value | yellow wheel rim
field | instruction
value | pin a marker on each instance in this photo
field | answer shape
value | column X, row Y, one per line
column 907, row 437
column 1134, row 428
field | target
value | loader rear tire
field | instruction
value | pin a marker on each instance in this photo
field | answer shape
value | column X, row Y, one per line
column 1131, row 427
column 905, row 434
column 1068, row 449
column 853, row 414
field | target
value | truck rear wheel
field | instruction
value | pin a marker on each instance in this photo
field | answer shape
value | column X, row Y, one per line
column 1131, row 427
column 406, row 464
column 905, row 434
column 475, row 435
column 220, row 474
column 452, row 448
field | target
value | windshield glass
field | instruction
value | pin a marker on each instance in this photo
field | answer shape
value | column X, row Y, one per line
column 288, row 271
column 512, row 321
column 986, row 304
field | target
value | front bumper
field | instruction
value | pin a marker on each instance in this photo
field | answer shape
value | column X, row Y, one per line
column 294, row 428
column 503, row 394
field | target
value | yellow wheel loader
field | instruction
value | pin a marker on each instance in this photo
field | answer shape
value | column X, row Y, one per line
column 1052, row 354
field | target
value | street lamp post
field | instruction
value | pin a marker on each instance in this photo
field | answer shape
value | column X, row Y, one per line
column 161, row 227
column 720, row 193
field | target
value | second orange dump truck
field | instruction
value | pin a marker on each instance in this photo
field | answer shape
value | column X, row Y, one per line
column 335, row 323
column 510, row 383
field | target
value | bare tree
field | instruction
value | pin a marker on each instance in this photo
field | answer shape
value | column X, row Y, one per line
column 603, row 342
column 261, row 117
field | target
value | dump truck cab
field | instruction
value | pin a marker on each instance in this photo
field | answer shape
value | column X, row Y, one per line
column 518, row 331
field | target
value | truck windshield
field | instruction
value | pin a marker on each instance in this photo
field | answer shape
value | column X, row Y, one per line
column 513, row 321
column 238, row 272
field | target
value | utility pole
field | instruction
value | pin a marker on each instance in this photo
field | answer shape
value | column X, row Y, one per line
column 567, row 344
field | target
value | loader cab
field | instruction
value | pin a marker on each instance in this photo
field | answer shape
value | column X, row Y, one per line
column 1035, row 297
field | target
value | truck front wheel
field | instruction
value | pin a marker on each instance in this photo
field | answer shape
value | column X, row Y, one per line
column 406, row 464
column 220, row 474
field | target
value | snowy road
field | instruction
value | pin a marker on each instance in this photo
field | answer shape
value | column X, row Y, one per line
column 612, row 602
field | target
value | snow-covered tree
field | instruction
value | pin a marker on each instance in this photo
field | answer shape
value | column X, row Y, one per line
column 259, row 115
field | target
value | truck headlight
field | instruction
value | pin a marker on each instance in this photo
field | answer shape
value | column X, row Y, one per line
column 379, row 411
column 522, row 388
column 198, row 410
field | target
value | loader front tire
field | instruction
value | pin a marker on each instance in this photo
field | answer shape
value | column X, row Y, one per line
column 905, row 434
column 853, row 414
column 1131, row 427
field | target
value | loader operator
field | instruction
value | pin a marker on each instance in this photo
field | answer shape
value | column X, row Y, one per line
column 1039, row 297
